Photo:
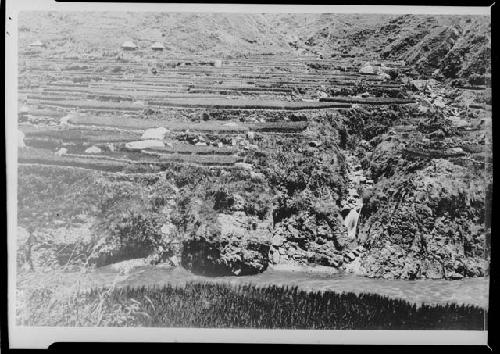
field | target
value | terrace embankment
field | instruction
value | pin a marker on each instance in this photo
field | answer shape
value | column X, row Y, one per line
column 332, row 161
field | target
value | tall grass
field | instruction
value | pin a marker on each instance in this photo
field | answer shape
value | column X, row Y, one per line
column 248, row 306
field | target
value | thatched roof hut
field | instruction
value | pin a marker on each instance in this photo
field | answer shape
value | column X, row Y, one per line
column 157, row 46
column 129, row 45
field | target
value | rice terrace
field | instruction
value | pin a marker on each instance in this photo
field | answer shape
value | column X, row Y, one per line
column 293, row 171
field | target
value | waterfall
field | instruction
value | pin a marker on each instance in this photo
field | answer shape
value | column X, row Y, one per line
column 353, row 203
column 351, row 222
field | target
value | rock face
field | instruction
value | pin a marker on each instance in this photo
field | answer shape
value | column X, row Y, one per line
column 385, row 157
column 427, row 224
column 226, row 256
column 308, row 239
column 237, row 245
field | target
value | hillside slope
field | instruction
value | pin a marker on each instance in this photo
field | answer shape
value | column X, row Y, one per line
column 457, row 46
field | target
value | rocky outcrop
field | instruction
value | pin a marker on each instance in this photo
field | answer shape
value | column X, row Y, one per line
column 236, row 245
column 385, row 157
column 227, row 228
column 228, row 255
column 427, row 224
column 309, row 239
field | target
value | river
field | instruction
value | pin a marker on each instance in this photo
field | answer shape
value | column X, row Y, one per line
column 472, row 291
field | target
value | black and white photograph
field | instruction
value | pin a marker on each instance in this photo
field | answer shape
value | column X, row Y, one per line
column 259, row 168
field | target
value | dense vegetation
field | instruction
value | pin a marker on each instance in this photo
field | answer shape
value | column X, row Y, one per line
column 52, row 199
column 224, row 219
column 246, row 306
column 81, row 217
column 136, row 218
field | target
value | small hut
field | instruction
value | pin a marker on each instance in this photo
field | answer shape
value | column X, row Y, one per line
column 157, row 46
column 129, row 45
column 218, row 63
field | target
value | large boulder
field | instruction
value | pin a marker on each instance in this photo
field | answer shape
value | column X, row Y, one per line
column 65, row 120
column 93, row 150
column 61, row 152
column 367, row 69
column 154, row 134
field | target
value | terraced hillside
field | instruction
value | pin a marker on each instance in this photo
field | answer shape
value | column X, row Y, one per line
column 285, row 149
column 463, row 42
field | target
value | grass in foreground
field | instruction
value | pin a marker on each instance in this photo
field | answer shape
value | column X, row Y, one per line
column 247, row 306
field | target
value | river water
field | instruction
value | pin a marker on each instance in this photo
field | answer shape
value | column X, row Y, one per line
column 473, row 291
